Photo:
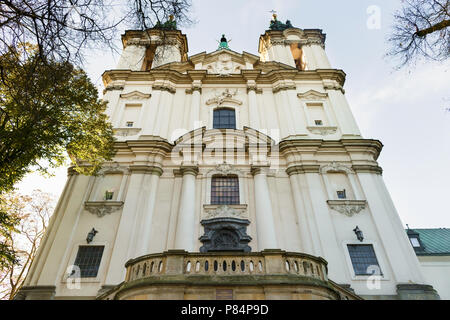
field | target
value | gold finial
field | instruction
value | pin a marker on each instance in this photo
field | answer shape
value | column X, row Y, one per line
column 171, row 17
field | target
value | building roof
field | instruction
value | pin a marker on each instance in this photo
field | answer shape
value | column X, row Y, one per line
column 433, row 241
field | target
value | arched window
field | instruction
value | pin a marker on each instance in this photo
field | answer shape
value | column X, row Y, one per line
column 224, row 119
column 225, row 190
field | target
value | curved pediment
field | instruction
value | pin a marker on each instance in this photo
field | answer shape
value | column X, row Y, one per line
column 222, row 145
column 203, row 136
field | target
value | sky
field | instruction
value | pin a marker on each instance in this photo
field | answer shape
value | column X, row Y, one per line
column 405, row 110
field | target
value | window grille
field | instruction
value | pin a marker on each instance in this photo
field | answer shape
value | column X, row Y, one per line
column 225, row 190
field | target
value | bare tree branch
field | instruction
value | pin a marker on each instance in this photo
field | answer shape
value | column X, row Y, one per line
column 421, row 30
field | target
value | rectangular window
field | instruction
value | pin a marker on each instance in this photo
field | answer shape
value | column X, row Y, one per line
column 318, row 122
column 415, row 242
column 88, row 260
column 224, row 190
column 130, row 124
column 224, row 119
column 364, row 260
column 341, row 194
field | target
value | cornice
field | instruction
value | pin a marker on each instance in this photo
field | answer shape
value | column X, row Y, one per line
column 350, row 145
column 139, row 37
column 331, row 78
column 367, row 169
column 146, row 169
column 152, row 144
column 303, row 169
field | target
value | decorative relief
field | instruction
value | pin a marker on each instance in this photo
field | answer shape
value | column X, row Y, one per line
column 284, row 86
column 321, row 130
column 224, row 66
column 336, row 167
column 347, row 207
column 225, row 211
column 125, row 132
column 164, row 87
column 101, row 208
column 225, row 234
column 113, row 168
column 225, row 96
column 113, row 87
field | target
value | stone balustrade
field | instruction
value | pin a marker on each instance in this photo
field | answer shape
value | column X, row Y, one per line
column 267, row 262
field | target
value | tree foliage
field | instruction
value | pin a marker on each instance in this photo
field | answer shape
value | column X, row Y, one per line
column 33, row 212
column 421, row 30
column 48, row 109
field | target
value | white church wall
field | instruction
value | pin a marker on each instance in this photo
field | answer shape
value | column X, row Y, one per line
column 436, row 271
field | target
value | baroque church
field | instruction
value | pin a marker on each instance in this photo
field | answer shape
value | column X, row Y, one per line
column 236, row 176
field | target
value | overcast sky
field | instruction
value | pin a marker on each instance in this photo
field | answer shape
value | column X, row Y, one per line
column 405, row 109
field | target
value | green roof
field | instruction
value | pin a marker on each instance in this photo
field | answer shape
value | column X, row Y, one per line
column 433, row 241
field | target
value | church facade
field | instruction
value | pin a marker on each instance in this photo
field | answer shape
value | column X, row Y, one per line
column 236, row 176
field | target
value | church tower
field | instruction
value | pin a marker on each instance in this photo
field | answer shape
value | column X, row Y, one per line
column 236, row 176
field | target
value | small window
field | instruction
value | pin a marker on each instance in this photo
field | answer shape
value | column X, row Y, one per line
column 109, row 195
column 415, row 242
column 363, row 259
column 318, row 122
column 341, row 194
column 225, row 190
column 130, row 124
column 224, row 119
column 88, row 260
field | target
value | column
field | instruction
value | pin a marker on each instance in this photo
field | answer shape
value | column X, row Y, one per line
column 195, row 108
column 253, row 113
column 343, row 113
column 132, row 57
column 311, row 62
column 185, row 235
column 125, row 230
column 321, row 57
column 265, row 227
column 305, row 235
column 144, row 233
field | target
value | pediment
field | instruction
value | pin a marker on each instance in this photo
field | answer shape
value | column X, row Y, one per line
column 224, row 138
column 225, row 62
column 312, row 95
column 135, row 95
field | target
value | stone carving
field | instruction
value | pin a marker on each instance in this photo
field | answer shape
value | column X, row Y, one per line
column 230, row 211
column 336, row 167
column 224, row 168
column 125, row 132
column 347, row 207
column 112, row 167
column 321, row 130
column 225, row 234
column 101, row 208
column 224, row 66
column 225, row 96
